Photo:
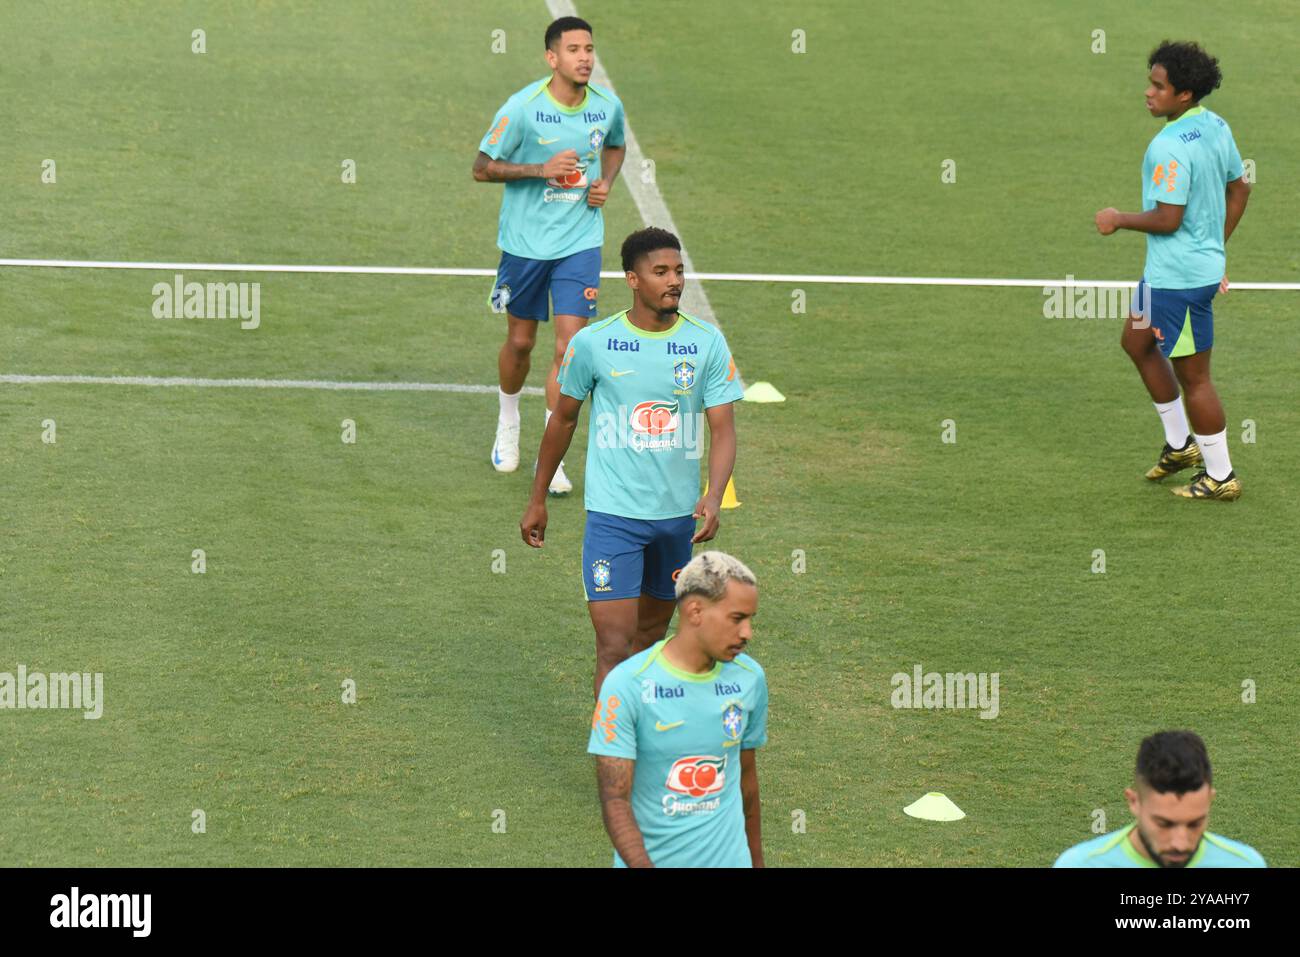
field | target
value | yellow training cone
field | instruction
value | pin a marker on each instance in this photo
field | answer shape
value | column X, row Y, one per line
column 763, row 392
column 934, row 807
column 728, row 494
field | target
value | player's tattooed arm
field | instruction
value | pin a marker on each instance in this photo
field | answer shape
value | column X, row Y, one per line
column 614, row 779
column 489, row 170
column 753, row 807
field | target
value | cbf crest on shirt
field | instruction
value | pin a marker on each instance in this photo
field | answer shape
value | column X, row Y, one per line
column 550, row 219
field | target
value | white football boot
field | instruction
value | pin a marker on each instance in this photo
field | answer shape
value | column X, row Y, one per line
column 505, row 450
column 560, row 484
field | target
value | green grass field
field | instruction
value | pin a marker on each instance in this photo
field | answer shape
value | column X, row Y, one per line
column 374, row 561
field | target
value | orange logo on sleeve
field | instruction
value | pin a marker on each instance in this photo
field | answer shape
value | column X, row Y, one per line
column 496, row 133
column 731, row 372
column 1168, row 177
column 611, row 716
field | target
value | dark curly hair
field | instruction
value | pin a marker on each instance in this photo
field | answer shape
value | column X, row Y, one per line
column 645, row 241
column 561, row 26
column 1174, row 761
column 1189, row 68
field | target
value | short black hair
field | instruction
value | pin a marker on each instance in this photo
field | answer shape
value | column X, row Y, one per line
column 645, row 241
column 1174, row 761
column 1189, row 68
column 561, row 26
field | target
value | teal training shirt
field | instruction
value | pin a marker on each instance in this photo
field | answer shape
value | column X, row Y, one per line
column 1116, row 850
column 649, row 391
column 545, row 218
column 685, row 732
column 1189, row 163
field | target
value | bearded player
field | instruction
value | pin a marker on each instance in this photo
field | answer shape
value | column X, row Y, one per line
column 1170, row 799
column 557, row 145
column 1193, row 195
column 655, row 377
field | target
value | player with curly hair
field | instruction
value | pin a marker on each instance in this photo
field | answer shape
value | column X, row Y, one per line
column 1193, row 196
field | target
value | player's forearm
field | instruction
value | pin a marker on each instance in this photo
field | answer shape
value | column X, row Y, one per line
column 722, row 459
column 753, row 826
column 611, row 161
column 1236, row 205
column 624, row 833
column 1152, row 221
column 499, row 171
column 754, row 837
column 555, row 443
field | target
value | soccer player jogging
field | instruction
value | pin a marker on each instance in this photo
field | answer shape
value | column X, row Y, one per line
column 655, row 375
column 1170, row 799
column 676, row 727
column 557, row 145
column 1193, row 195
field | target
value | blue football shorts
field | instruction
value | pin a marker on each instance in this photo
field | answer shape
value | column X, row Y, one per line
column 1182, row 320
column 522, row 285
column 628, row 557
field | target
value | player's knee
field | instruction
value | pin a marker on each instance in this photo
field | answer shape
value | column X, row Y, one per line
column 1193, row 379
column 521, row 341
column 613, row 647
column 652, row 629
column 1138, row 348
column 609, row 659
column 562, row 339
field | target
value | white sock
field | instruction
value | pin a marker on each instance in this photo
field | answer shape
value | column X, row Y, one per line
column 509, row 413
column 1215, row 450
column 1174, row 418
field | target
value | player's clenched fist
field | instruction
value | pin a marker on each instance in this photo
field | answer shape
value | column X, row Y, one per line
column 1107, row 220
column 533, row 525
column 561, row 164
column 598, row 192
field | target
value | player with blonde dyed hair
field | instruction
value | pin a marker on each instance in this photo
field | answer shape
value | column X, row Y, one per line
column 669, row 722
column 708, row 574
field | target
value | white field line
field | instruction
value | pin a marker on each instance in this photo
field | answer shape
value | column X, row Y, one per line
column 145, row 380
column 794, row 278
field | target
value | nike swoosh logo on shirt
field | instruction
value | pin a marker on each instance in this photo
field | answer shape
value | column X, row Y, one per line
column 659, row 726
column 615, row 373
column 542, row 142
